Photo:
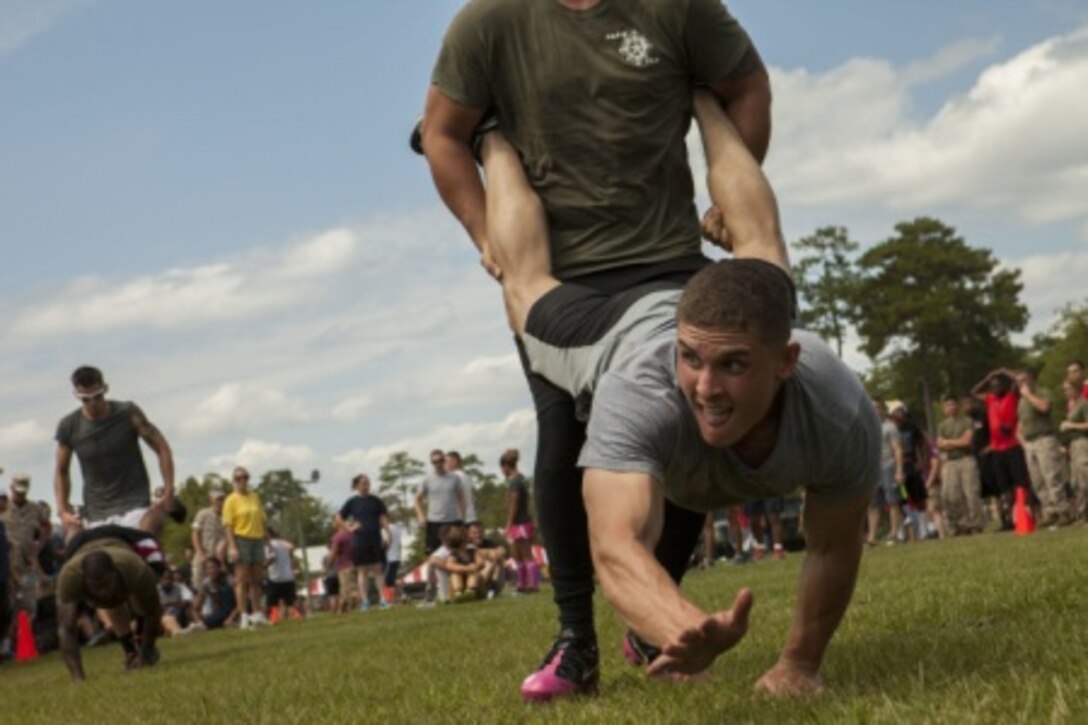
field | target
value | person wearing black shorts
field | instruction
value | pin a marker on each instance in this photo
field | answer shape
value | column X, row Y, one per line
column 367, row 516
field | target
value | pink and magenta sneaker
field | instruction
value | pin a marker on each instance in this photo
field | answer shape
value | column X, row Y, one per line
column 570, row 668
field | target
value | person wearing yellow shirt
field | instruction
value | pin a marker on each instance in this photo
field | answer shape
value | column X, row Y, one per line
column 246, row 525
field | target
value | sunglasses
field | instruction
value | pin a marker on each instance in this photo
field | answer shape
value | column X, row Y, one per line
column 85, row 397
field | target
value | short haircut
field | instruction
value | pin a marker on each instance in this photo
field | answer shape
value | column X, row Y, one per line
column 358, row 479
column 950, row 398
column 454, row 455
column 437, row 452
column 509, row 457
column 739, row 295
column 1076, row 361
column 452, row 536
column 86, row 376
column 97, row 566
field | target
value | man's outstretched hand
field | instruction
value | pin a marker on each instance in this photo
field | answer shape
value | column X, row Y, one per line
column 787, row 679
column 697, row 647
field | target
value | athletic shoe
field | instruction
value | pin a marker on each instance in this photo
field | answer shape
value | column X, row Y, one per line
column 384, row 605
column 245, row 622
column 425, row 605
column 741, row 559
column 778, row 552
column 637, row 651
column 364, row 606
column 571, row 667
column 258, row 620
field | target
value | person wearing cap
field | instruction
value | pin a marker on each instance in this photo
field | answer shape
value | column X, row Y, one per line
column 23, row 521
column 105, row 436
column 208, row 535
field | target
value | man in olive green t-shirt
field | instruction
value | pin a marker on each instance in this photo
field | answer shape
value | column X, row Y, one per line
column 961, row 487
column 596, row 98
column 1075, row 426
column 1041, row 449
column 109, row 575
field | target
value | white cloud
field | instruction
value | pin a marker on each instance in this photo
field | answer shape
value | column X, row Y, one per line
column 239, row 407
column 189, row 297
column 1051, row 281
column 950, row 59
column 1015, row 141
column 487, row 440
column 23, row 20
column 351, row 408
column 23, row 436
column 258, row 455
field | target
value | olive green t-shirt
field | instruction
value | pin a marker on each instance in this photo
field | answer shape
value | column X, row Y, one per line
column 139, row 579
column 1079, row 415
column 597, row 103
column 1034, row 424
column 953, row 428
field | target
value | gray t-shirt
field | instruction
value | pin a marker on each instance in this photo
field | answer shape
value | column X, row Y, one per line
column 828, row 439
column 470, row 503
column 889, row 435
column 114, row 476
column 441, row 492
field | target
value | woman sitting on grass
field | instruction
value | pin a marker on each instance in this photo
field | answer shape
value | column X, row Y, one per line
column 458, row 563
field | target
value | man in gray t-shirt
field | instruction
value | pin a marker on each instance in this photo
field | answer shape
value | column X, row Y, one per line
column 105, row 436
column 440, row 500
column 720, row 404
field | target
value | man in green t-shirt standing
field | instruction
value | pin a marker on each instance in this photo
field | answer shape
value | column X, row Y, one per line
column 961, row 495
column 1075, row 426
column 596, row 98
column 1044, row 455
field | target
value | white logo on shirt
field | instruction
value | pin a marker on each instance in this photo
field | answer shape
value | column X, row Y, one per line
column 634, row 48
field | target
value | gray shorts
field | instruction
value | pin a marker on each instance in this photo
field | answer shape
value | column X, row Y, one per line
column 886, row 492
column 573, row 333
column 250, row 551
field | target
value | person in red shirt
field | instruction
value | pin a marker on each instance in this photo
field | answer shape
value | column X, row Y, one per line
column 1010, row 468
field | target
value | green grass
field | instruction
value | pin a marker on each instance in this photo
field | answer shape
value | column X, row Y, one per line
column 985, row 629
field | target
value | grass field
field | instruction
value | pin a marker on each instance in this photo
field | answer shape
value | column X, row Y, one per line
column 985, row 629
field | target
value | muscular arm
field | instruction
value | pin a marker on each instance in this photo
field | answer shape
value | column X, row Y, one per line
column 67, row 614
column 625, row 512
column 157, row 442
column 447, row 130
column 746, row 96
column 833, row 542
column 62, row 483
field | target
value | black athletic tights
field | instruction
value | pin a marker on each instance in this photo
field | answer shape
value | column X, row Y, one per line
column 557, row 481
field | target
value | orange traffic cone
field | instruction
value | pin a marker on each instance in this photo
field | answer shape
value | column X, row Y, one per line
column 25, row 648
column 274, row 615
column 1022, row 518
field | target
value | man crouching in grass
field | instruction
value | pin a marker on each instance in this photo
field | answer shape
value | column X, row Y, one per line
column 704, row 398
column 109, row 575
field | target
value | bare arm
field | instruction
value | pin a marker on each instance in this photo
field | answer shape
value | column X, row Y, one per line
column 461, row 505
column 511, row 509
column 157, row 442
column 62, row 485
column 625, row 512
column 198, row 543
column 1040, row 403
column 421, row 512
column 833, row 542
column 746, row 96
column 447, row 131
column 67, row 614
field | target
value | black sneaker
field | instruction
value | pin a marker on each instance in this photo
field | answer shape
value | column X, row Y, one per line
column 638, row 651
column 571, row 667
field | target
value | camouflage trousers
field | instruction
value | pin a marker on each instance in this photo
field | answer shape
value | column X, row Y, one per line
column 1047, row 470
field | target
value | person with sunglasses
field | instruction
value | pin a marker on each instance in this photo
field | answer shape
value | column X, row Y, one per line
column 105, row 436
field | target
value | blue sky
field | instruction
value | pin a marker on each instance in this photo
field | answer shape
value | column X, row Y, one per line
column 215, row 203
